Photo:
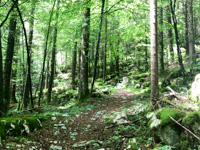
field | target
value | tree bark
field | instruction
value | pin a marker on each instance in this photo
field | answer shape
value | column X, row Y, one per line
column 191, row 32
column 26, row 96
column 44, row 58
column 161, row 60
column 170, row 36
column 1, row 77
column 186, row 28
column 8, row 60
column 83, row 85
column 154, row 54
column 105, row 49
column 74, row 66
column 98, row 43
column 53, row 57
column 180, row 60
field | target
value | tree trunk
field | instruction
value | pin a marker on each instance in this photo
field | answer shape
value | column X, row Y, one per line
column 173, row 6
column 98, row 43
column 27, row 80
column 154, row 54
column 44, row 58
column 191, row 32
column 161, row 60
column 8, row 60
column 74, row 66
column 186, row 28
column 53, row 57
column 170, row 37
column 111, row 59
column 83, row 85
column 1, row 77
column 117, row 59
column 105, row 49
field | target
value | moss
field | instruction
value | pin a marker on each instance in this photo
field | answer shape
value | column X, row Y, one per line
column 19, row 126
column 33, row 123
column 2, row 132
column 191, row 118
column 164, row 114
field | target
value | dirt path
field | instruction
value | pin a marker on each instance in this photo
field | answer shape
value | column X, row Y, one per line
column 91, row 127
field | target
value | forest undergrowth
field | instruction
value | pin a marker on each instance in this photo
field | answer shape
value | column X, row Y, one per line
column 116, row 121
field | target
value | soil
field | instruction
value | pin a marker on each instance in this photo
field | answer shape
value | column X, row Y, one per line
column 91, row 124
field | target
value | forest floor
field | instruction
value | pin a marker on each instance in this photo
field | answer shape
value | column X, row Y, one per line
column 116, row 121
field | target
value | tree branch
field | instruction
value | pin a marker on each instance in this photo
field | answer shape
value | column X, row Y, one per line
column 185, row 128
column 8, row 14
column 113, row 6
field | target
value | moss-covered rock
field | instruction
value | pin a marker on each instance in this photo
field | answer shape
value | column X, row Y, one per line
column 166, row 130
column 19, row 126
column 164, row 114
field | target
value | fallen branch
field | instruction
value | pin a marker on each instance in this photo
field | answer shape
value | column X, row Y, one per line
column 179, row 97
column 185, row 128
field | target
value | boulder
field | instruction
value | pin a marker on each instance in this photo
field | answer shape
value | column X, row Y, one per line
column 19, row 126
column 166, row 130
column 195, row 91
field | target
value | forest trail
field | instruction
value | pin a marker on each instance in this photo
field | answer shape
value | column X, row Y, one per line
column 92, row 128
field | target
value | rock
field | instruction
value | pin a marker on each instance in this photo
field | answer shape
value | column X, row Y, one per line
column 105, row 91
column 120, row 119
column 55, row 147
column 19, row 126
column 137, row 86
column 165, row 129
column 86, row 143
column 169, row 135
column 195, row 93
column 124, row 80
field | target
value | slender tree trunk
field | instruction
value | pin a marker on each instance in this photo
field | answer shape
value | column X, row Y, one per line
column 44, row 58
column 154, row 54
column 146, row 55
column 173, row 6
column 74, row 66
column 170, row 37
column 8, row 60
column 161, row 61
column 98, row 43
column 105, row 49
column 191, row 32
column 117, row 59
column 47, row 72
column 1, row 77
column 83, row 85
column 111, row 59
column 186, row 28
column 53, row 58
column 26, row 92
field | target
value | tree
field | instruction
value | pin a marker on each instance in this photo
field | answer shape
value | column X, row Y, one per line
column 191, row 32
column 98, row 43
column 74, row 66
column 154, row 54
column 180, row 60
column 53, row 56
column 1, row 77
column 186, row 28
column 161, row 60
column 9, row 58
column 45, row 54
column 170, row 36
column 83, row 84
column 27, row 80
column 105, row 47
